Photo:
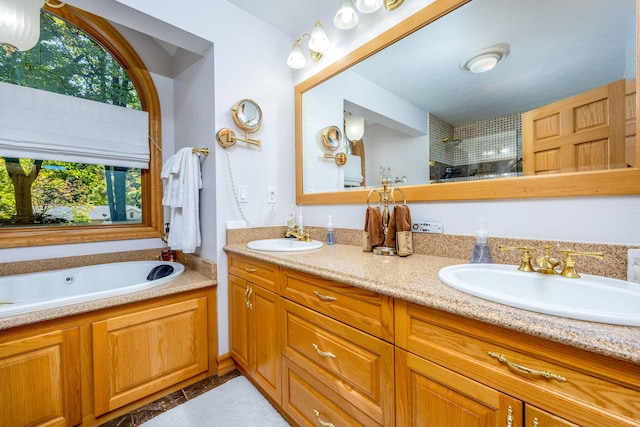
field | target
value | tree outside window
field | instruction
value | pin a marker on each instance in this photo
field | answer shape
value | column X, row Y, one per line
column 41, row 191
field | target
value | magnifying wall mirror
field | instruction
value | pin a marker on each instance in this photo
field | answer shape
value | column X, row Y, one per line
column 562, row 71
column 247, row 115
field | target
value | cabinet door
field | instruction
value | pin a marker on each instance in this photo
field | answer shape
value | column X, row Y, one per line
column 429, row 395
column 265, row 350
column 40, row 380
column 535, row 417
column 239, row 321
column 140, row 353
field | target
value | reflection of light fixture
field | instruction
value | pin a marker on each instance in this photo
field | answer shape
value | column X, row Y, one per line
column 20, row 24
column 486, row 59
column 346, row 17
column 318, row 44
column 353, row 127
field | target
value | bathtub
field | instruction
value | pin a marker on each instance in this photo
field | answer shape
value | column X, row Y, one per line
column 25, row 293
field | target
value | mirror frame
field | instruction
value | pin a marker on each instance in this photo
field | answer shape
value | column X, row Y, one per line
column 598, row 183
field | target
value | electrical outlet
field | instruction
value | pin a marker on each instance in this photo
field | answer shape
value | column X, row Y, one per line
column 271, row 195
column 242, row 193
column 426, row 227
column 633, row 265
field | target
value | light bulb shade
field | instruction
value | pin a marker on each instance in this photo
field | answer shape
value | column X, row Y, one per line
column 353, row 127
column 296, row 58
column 368, row 6
column 20, row 24
column 319, row 42
column 346, row 17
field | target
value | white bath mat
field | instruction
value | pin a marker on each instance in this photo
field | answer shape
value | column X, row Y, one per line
column 235, row 403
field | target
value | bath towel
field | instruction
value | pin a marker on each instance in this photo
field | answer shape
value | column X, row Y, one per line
column 399, row 233
column 372, row 235
column 182, row 181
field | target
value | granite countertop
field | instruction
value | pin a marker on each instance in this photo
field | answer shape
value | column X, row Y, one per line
column 187, row 281
column 415, row 279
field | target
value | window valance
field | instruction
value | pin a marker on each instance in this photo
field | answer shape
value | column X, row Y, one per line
column 44, row 125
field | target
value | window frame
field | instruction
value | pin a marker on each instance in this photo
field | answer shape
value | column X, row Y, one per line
column 152, row 212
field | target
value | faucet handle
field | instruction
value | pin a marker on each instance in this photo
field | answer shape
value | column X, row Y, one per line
column 525, row 262
column 569, row 269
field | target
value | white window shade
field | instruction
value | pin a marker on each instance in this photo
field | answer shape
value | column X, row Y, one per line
column 37, row 124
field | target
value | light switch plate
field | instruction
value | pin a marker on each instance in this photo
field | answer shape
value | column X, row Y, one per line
column 633, row 265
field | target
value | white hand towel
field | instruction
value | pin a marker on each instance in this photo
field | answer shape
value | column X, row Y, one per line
column 182, row 182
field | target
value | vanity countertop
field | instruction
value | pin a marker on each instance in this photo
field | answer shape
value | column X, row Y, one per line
column 187, row 281
column 415, row 279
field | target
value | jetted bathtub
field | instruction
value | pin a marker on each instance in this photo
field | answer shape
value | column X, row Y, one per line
column 24, row 293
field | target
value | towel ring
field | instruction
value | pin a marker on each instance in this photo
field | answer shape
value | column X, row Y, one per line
column 393, row 199
column 379, row 198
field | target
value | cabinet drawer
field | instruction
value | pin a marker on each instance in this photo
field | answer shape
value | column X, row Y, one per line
column 354, row 364
column 597, row 390
column 365, row 310
column 311, row 403
column 255, row 271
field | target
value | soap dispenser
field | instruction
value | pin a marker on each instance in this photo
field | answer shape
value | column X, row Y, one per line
column 481, row 253
column 331, row 238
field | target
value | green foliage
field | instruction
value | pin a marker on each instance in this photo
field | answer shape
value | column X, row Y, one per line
column 69, row 62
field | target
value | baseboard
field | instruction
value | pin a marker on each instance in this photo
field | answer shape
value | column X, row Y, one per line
column 225, row 364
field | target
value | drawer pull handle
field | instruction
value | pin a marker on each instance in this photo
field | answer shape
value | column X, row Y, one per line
column 324, row 297
column 323, row 353
column 535, row 422
column 247, row 297
column 510, row 417
column 250, row 270
column 322, row 423
column 526, row 370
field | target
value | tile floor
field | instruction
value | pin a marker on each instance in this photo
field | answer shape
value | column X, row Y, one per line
column 139, row 416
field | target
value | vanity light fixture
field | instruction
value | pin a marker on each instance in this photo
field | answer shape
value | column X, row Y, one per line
column 346, row 17
column 353, row 126
column 486, row 59
column 20, row 23
column 368, row 6
column 318, row 44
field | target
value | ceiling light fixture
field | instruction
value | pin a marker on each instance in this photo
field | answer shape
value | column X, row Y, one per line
column 486, row 59
column 318, row 44
column 20, row 23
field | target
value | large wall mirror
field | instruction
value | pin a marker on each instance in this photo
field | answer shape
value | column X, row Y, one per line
column 555, row 117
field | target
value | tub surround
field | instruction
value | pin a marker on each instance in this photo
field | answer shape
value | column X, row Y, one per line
column 200, row 273
column 414, row 279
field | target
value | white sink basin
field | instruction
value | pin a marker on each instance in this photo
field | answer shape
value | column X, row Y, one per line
column 593, row 298
column 284, row 245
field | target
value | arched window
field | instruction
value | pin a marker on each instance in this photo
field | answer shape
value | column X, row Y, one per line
column 87, row 59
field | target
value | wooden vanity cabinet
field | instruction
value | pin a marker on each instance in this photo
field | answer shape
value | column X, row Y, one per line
column 40, row 379
column 450, row 369
column 254, row 329
column 136, row 354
